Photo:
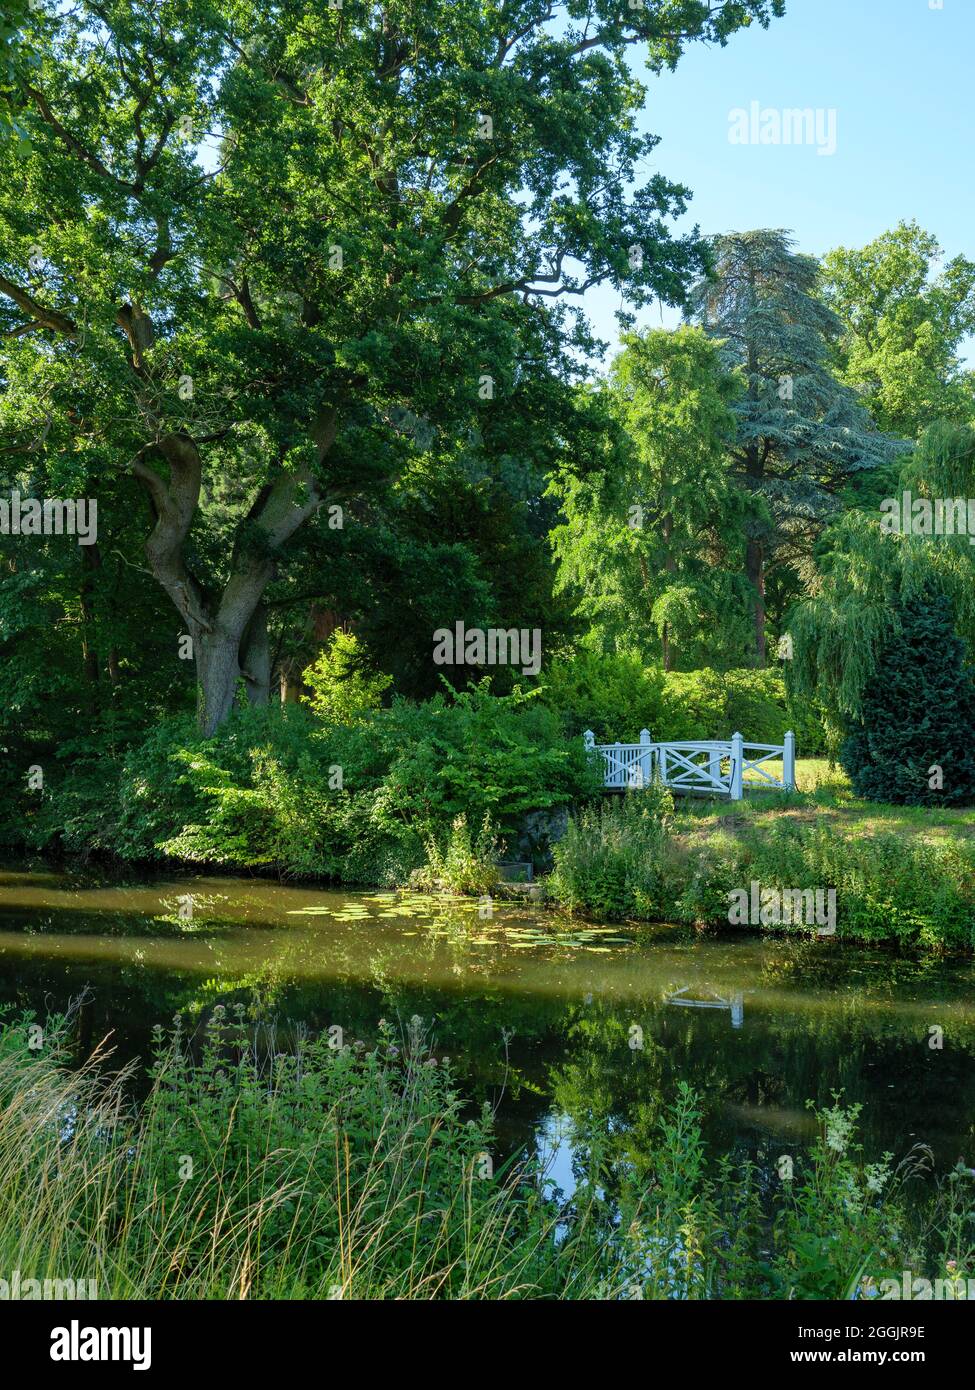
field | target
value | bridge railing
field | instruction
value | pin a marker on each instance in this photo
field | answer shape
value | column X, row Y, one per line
column 716, row 767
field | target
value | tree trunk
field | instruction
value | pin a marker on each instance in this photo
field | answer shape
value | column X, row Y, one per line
column 218, row 671
column 755, row 569
column 255, row 658
column 289, row 683
column 754, row 546
column 90, row 563
column 229, row 630
column 670, row 567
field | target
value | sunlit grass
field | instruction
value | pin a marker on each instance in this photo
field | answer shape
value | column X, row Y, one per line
column 823, row 796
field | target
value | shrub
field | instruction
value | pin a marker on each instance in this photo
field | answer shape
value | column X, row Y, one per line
column 915, row 893
column 341, row 684
column 277, row 788
column 614, row 696
column 693, row 707
column 617, row 696
column 461, row 863
column 710, row 704
column 609, row 862
column 912, row 741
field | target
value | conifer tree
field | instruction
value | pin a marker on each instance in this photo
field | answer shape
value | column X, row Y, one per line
column 912, row 743
column 800, row 434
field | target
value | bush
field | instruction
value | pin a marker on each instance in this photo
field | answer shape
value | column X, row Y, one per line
column 617, row 696
column 478, row 754
column 887, row 889
column 710, row 704
column 276, row 788
column 609, row 862
column 614, row 696
column 342, row 685
column 461, row 863
column 916, row 715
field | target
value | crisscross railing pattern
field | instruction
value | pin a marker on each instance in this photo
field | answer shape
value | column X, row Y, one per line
column 715, row 767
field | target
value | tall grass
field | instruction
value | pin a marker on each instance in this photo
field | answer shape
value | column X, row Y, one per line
column 609, row 861
column 243, row 1174
column 246, row 1173
column 629, row 861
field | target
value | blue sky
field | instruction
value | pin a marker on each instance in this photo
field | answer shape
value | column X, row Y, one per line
column 901, row 79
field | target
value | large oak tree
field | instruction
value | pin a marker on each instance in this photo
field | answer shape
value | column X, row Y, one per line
column 253, row 254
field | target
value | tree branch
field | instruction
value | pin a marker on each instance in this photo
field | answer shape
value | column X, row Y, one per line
column 47, row 318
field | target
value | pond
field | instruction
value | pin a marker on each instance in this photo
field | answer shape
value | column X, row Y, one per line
column 564, row 1030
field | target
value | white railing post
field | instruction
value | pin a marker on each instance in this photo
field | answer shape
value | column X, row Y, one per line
column 714, row 767
column 737, row 767
column 589, row 739
column 645, row 775
column 789, row 762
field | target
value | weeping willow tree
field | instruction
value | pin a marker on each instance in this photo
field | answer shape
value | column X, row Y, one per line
column 872, row 567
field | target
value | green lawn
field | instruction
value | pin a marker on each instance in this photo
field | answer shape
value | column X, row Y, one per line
column 824, row 797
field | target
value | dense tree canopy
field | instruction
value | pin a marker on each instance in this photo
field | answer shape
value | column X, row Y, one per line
column 653, row 539
column 297, row 298
column 260, row 262
column 868, row 573
column 800, row 434
column 904, row 321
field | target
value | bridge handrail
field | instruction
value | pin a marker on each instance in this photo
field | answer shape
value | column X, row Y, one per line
column 633, row 764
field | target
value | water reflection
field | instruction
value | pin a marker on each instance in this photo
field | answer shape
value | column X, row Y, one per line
column 538, row 1016
column 708, row 998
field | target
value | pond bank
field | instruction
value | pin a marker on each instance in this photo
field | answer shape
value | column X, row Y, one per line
column 535, row 1010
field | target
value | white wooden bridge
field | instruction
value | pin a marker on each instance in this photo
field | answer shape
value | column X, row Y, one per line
column 722, row 767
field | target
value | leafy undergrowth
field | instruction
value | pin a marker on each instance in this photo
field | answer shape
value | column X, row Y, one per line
column 910, row 882
column 355, row 1173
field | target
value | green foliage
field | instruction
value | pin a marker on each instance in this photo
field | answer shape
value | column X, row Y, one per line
column 209, row 315
column 461, row 862
column 911, row 742
column 800, row 434
column 905, row 313
column 651, row 541
column 613, row 695
column 607, row 864
column 616, row 696
column 706, row 1231
column 709, row 704
column 341, row 688
column 248, row 1171
column 629, row 860
column 866, row 571
column 838, row 1215
column 916, row 893
column 481, row 754
column 357, row 802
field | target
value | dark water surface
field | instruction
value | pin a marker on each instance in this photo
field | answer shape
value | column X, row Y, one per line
column 537, row 1014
